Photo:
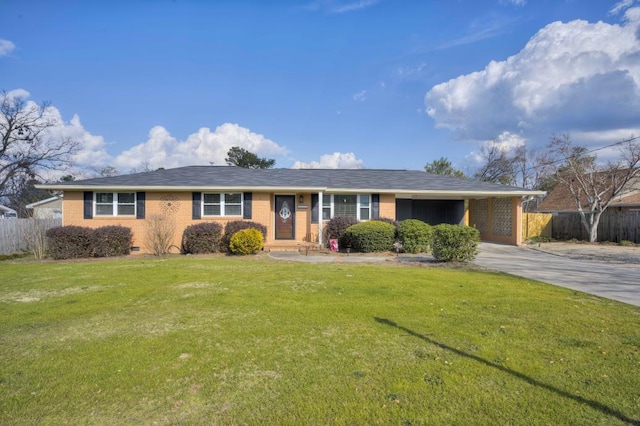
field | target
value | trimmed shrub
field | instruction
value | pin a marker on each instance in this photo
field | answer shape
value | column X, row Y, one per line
column 238, row 225
column 371, row 236
column 336, row 228
column 387, row 220
column 70, row 242
column 202, row 238
column 414, row 235
column 112, row 241
column 455, row 243
column 246, row 241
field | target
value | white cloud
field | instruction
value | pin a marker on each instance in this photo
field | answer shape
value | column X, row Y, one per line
column 336, row 6
column 204, row 147
column 408, row 71
column 570, row 77
column 91, row 148
column 360, row 96
column 505, row 142
column 337, row 160
column 620, row 6
column 6, row 47
column 514, row 2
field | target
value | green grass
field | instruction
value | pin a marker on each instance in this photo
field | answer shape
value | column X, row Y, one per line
column 226, row 340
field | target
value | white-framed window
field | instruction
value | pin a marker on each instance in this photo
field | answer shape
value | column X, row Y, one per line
column 115, row 203
column 222, row 204
column 353, row 205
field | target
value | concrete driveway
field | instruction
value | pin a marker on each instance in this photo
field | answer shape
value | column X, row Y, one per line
column 616, row 281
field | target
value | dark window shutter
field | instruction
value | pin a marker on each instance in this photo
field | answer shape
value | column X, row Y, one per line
column 314, row 208
column 375, row 206
column 196, row 211
column 140, row 198
column 248, row 196
column 88, row 205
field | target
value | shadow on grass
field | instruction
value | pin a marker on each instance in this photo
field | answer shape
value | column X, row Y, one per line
column 593, row 404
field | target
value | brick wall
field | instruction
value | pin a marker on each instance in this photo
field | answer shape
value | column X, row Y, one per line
column 178, row 205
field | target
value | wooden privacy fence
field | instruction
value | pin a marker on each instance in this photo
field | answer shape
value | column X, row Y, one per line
column 14, row 232
column 615, row 226
column 536, row 225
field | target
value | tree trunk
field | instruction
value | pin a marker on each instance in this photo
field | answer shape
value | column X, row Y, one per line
column 590, row 221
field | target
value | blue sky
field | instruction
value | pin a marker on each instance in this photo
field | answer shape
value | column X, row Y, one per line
column 325, row 83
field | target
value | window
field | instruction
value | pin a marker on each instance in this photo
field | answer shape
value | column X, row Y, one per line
column 222, row 204
column 115, row 203
column 353, row 205
column 326, row 207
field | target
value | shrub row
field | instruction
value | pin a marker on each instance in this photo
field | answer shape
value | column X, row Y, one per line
column 71, row 242
column 447, row 243
column 209, row 237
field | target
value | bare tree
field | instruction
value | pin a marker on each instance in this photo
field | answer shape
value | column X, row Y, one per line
column 498, row 166
column 159, row 234
column 27, row 145
column 595, row 186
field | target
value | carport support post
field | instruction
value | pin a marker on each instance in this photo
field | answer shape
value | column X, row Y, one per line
column 320, row 218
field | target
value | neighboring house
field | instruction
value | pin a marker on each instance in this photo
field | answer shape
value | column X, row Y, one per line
column 294, row 204
column 561, row 200
column 6, row 212
column 51, row 208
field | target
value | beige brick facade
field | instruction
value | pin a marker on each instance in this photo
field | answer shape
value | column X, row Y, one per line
column 178, row 205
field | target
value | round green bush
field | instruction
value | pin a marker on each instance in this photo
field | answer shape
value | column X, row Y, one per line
column 367, row 237
column 246, row 241
column 238, row 225
column 455, row 243
column 336, row 228
column 414, row 235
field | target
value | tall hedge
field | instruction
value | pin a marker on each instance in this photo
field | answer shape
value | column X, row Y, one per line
column 70, row 242
column 73, row 242
column 112, row 240
column 455, row 243
column 202, row 238
column 367, row 237
column 414, row 235
column 238, row 225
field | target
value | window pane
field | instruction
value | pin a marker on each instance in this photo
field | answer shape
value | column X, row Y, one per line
column 104, row 197
column 232, row 210
column 211, row 198
column 232, row 198
column 212, row 210
column 364, row 200
column 326, row 213
column 104, row 210
column 326, row 201
column 126, row 198
column 126, row 209
column 345, row 205
column 364, row 213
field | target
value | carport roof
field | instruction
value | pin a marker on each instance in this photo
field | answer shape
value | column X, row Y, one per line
column 228, row 178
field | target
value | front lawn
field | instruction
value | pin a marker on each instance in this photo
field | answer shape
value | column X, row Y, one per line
column 232, row 340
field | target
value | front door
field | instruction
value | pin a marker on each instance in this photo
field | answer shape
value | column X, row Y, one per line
column 285, row 217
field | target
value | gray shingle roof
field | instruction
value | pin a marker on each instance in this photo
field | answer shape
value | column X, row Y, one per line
column 226, row 177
